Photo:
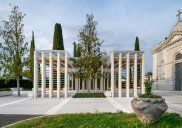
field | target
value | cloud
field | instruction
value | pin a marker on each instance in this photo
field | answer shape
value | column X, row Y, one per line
column 43, row 44
column 149, row 47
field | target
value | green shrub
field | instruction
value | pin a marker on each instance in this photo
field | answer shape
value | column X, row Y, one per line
column 13, row 83
column 91, row 95
column 5, row 89
column 148, row 96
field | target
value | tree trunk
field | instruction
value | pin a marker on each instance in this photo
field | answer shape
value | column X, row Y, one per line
column 18, row 87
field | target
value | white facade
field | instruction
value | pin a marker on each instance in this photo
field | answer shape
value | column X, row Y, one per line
column 53, row 71
column 166, row 56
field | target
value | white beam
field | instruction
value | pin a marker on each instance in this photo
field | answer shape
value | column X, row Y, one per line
column 50, row 75
column 58, row 75
column 43, row 76
column 128, row 75
column 66, row 76
column 120, row 75
column 135, row 75
column 143, row 73
column 35, row 74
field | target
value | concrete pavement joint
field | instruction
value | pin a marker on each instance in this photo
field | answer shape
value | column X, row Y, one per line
column 56, row 108
column 3, row 105
column 117, row 105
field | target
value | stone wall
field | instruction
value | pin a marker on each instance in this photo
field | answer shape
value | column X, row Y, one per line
column 168, row 56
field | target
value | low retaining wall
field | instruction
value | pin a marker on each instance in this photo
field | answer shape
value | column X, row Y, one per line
column 6, row 93
column 16, row 89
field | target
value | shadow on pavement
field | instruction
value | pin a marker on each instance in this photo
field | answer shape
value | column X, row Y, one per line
column 6, row 119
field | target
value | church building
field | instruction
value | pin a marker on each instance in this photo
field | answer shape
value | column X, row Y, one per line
column 167, row 60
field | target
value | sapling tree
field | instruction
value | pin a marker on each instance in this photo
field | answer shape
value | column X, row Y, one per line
column 13, row 47
column 90, row 59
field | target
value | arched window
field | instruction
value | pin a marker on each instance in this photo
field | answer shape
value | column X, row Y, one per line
column 178, row 56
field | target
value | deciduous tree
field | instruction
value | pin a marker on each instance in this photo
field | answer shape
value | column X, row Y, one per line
column 13, row 47
column 91, row 59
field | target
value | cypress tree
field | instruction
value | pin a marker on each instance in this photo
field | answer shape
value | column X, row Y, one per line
column 32, row 49
column 74, row 50
column 58, row 38
column 137, row 48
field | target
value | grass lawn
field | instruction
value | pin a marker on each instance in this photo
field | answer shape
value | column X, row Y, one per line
column 91, row 95
column 99, row 120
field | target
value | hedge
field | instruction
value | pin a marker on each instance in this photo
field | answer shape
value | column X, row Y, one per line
column 13, row 83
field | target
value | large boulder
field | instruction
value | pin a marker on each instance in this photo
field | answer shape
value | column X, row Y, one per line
column 149, row 110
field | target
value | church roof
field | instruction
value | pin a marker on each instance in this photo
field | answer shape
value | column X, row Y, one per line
column 177, row 27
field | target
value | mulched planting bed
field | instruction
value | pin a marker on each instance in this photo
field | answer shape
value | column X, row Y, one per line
column 99, row 120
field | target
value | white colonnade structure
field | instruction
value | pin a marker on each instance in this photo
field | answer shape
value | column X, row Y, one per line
column 123, row 74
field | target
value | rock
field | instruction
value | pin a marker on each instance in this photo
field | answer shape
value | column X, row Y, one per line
column 149, row 110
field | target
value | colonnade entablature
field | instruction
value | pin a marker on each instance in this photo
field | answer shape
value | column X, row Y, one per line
column 123, row 74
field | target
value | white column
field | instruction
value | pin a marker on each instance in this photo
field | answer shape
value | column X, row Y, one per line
column 112, row 73
column 107, row 81
column 72, row 81
column 143, row 73
column 114, row 80
column 128, row 75
column 58, row 75
column 101, row 79
column 120, row 75
column 66, row 76
column 83, row 86
column 50, row 75
column 43, row 76
column 135, row 75
column 68, row 81
column 104, row 83
column 76, row 85
column 96, row 84
column 35, row 74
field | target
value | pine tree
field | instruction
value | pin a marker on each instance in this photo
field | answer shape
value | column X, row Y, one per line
column 58, row 38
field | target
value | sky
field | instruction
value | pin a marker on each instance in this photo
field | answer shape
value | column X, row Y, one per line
column 119, row 22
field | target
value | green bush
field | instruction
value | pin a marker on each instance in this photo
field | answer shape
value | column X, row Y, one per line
column 13, row 83
column 148, row 96
column 91, row 95
column 5, row 89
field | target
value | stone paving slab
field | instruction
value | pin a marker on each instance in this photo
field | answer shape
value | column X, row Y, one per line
column 125, row 102
column 8, row 99
column 90, row 105
column 32, row 106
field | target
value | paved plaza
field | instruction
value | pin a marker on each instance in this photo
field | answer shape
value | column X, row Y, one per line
column 13, row 108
